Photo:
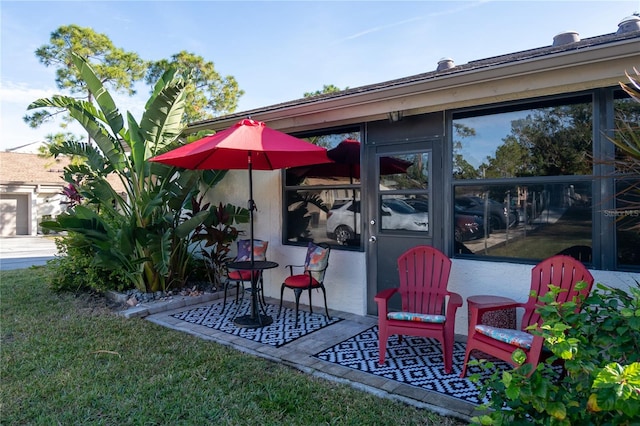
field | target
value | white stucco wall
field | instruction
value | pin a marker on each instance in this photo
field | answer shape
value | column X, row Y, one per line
column 346, row 277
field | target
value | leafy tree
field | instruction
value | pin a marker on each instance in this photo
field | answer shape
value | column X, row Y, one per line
column 462, row 169
column 208, row 94
column 113, row 66
column 143, row 232
column 512, row 159
column 327, row 88
column 57, row 140
column 549, row 142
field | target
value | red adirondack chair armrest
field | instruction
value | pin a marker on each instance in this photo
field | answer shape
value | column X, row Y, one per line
column 455, row 300
column 382, row 298
column 385, row 295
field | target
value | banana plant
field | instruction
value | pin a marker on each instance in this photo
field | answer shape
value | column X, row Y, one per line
column 627, row 138
column 143, row 231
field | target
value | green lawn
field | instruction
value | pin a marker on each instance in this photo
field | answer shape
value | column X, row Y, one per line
column 70, row 360
column 574, row 228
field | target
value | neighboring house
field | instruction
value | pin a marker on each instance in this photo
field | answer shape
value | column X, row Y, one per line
column 30, row 148
column 540, row 116
column 30, row 188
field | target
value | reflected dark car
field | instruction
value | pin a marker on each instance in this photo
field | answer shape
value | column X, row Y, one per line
column 467, row 226
column 419, row 204
column 498, row 216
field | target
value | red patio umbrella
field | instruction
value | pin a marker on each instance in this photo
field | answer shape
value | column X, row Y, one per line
column 345, row 162
column 249, row 144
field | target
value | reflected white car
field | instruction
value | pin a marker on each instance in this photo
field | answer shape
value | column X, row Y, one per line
column 343, row 220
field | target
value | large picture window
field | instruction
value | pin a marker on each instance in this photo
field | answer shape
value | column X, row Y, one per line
column 524, row 183
column 323, row 201
column 523, row 177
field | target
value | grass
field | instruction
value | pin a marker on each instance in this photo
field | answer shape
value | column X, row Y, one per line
column 574, row 228
column 68, row 359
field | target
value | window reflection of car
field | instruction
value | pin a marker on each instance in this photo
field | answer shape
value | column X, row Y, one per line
column 344, row 219
column 467, row 227
column 497, row 211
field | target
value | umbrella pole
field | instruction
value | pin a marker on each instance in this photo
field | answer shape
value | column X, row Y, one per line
column 251, row 205
column 254, row 319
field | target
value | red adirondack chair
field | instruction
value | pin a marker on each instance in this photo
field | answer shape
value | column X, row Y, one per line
column 560, row 270
column 428, row 308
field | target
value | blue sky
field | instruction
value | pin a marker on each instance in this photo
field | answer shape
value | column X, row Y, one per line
column 277, row 51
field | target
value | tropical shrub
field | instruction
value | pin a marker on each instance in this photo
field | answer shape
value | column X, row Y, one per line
column 74, row 270
column 215, row 236
column 598, row 351
column 143, row 232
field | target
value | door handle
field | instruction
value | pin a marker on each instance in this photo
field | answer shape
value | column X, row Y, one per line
column 373, row 239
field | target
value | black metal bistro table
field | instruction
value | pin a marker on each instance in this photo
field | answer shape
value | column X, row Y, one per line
column 255, row 319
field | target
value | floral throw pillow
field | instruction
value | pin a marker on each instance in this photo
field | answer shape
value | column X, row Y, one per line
column 317, row 258
column 259, row 250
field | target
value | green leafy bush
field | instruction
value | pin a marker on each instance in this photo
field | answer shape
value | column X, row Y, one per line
column 75, row 268
column 598, row 351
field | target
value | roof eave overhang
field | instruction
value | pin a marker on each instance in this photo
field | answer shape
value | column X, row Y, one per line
column 567, row 71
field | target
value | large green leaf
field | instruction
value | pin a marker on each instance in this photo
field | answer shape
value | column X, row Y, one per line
column 100, row 94
column 93, row 158
column 102, row 190
column 162, row 121
column 91, row 119
column 137, row 144
column 162, row 82
column 188, row 226
column 86, row 222
column 161, row 251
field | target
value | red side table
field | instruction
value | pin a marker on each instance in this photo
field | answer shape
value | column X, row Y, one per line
column 503, row 318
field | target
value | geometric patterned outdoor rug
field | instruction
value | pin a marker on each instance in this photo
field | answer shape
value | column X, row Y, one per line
column 416, row 361
column 278, row 333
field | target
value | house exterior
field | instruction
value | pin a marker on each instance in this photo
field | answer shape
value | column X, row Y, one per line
column 30, row 188
column 525, row 134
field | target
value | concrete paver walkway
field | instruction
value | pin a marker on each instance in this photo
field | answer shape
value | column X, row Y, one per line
column 299, row 354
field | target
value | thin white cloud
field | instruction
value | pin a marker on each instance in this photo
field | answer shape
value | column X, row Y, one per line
column 376, row 29
column 452, row 11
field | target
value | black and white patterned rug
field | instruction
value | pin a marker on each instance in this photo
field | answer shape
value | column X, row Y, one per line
column 416, row 361
column 278, row 333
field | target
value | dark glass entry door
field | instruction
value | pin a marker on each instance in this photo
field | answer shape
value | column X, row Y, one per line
column 405, row 208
